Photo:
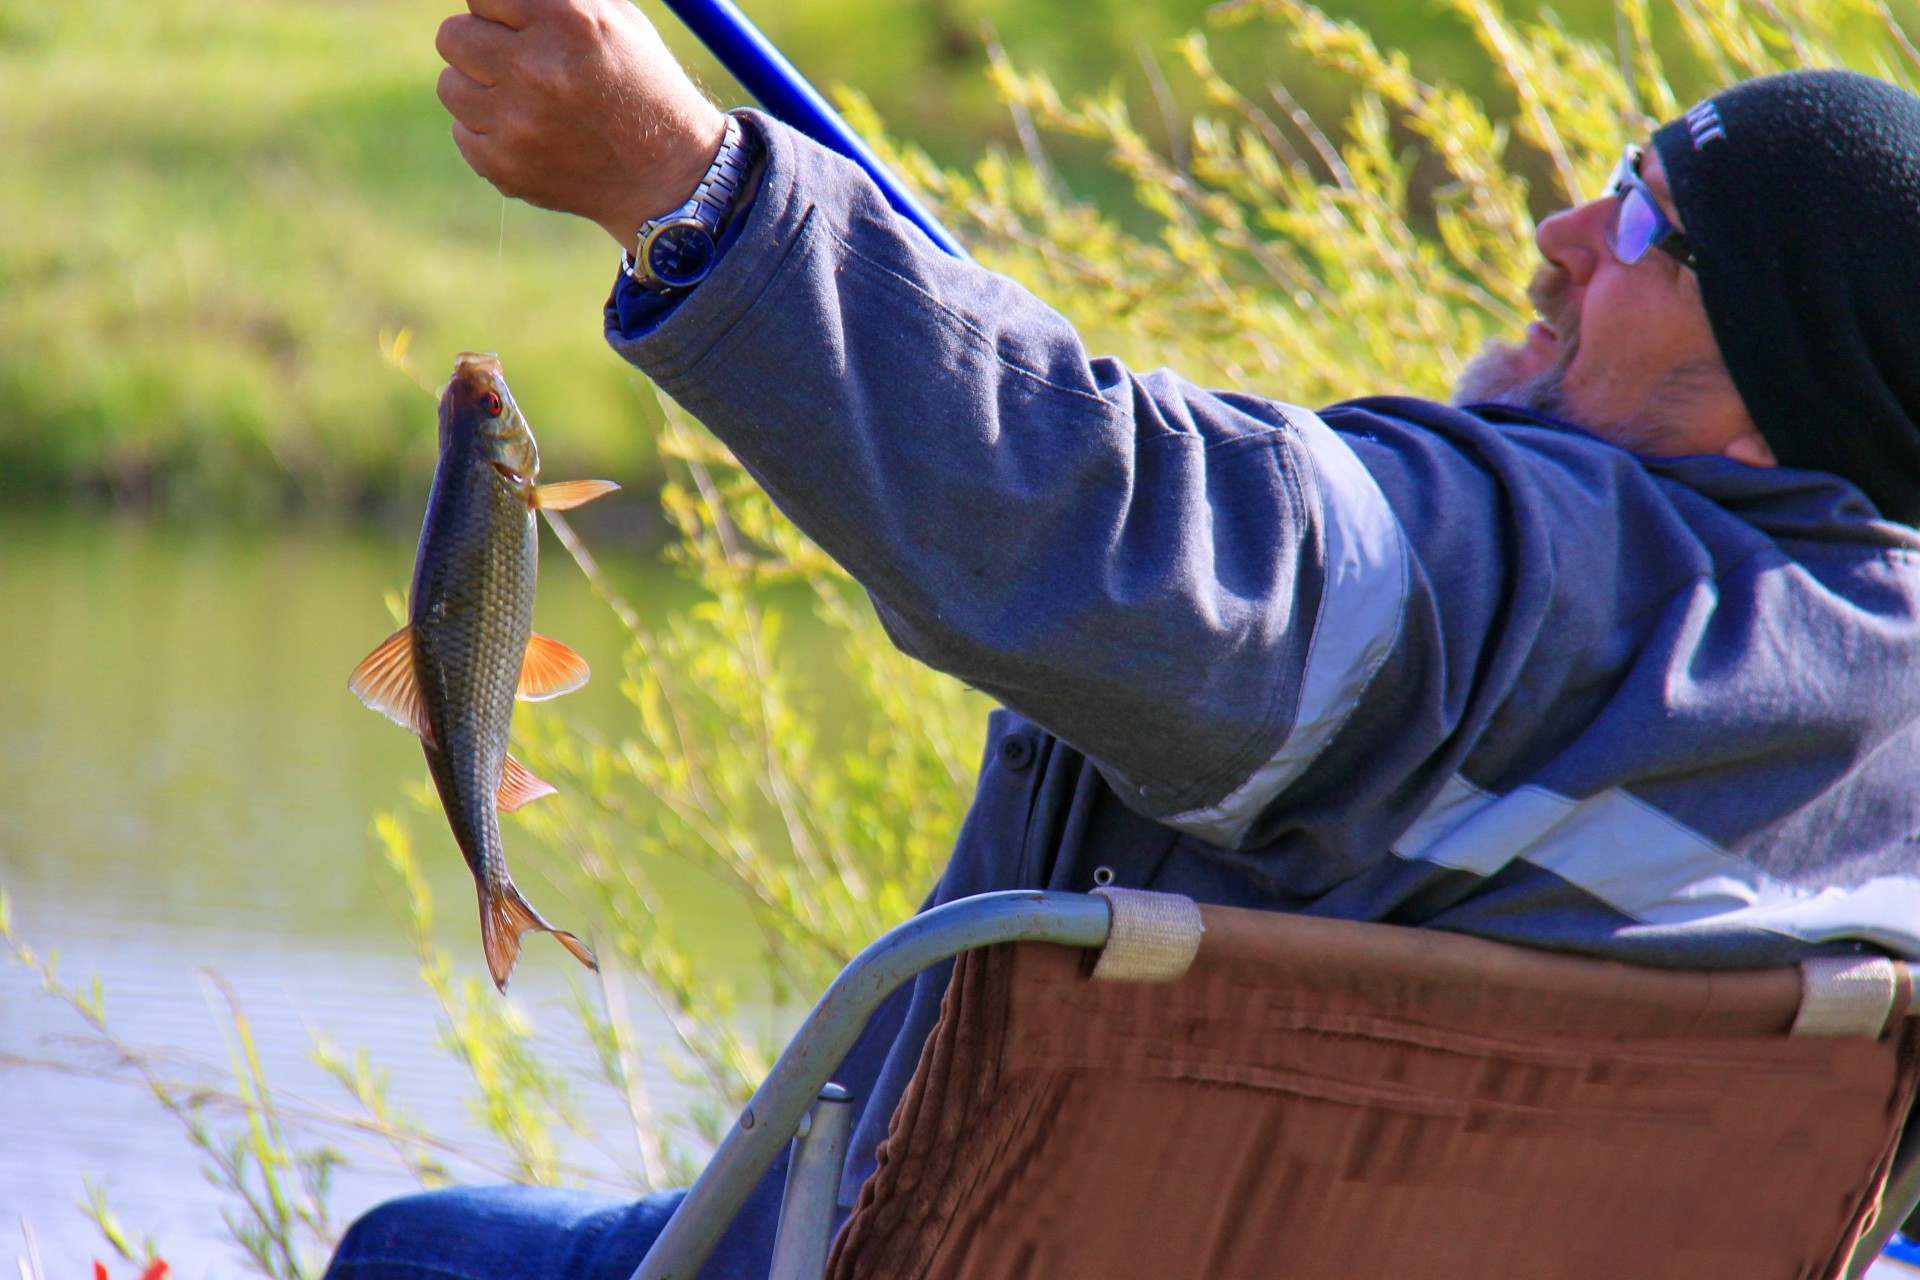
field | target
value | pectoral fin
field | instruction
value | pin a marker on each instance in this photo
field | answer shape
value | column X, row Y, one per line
column 384, row 680
column 565, row 495
column 520, row 785
column 549, row 669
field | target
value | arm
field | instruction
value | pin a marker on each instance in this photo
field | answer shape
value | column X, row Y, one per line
column 1135, row 563
column 1193, row 588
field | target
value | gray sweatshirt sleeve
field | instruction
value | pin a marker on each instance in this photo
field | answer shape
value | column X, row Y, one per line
column 1193, row 588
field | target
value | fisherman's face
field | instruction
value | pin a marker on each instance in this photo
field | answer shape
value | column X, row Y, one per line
column 1624, row 350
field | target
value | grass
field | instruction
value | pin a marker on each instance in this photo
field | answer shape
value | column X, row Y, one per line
column 215, row 211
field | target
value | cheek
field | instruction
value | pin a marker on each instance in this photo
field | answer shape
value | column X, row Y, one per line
column 1606, row 319
column 1633, row 326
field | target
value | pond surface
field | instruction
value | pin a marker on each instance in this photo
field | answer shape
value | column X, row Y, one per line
column 189, row 786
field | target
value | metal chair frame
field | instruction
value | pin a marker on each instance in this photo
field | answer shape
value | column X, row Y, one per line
column 798, row 1102
column 789, row 1094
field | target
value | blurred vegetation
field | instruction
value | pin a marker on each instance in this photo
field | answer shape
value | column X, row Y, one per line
column 215, row 208
column 1249, row 235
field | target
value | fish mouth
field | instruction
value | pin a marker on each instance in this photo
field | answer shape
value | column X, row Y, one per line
column 471, row 362
column 474, row 374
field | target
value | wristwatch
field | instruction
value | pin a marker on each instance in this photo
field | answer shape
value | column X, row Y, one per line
column 677, row 250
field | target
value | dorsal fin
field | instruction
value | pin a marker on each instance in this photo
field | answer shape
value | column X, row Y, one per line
column 384, row 680
column 549, row 669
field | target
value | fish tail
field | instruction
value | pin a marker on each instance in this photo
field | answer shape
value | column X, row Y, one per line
column 505, row 914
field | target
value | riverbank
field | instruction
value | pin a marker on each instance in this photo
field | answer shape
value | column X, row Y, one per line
column 219, row 213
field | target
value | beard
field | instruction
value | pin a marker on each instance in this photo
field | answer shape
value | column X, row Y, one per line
column 1497, row 374
column 1503, row 373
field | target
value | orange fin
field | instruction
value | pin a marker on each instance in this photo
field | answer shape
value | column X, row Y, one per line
column 565, row 495
column 519, row 785
column 503, row 918
column 384, row 680
column 549, row 669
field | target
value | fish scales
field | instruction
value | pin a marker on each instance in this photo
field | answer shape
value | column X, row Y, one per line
column 472, row 614
column 469, row 650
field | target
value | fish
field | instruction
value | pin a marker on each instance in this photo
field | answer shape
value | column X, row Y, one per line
column 469, row 650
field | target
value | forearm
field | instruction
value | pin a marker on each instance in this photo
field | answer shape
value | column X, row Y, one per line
column 1132, row 562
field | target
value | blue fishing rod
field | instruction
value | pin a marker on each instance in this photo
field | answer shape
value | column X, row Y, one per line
column 785, row 94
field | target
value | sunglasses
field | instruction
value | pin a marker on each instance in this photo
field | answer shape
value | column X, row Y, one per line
column 1638, row 224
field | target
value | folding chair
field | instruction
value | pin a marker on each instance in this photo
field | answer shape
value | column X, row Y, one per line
column 1145, row 1087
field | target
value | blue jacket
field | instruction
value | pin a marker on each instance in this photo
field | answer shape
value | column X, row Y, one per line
column 1464, row 669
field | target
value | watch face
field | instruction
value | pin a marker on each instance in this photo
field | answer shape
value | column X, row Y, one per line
column 680, row 254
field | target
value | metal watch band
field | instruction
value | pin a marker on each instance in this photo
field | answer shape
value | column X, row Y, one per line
column 711, row 200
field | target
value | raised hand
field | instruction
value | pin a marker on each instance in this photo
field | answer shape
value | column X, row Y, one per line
column 576, row 105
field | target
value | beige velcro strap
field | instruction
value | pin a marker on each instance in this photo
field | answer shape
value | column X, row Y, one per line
column 1851, row 995
column 1153, row 939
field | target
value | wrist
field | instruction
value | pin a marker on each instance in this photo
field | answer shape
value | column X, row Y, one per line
column 675, row 251
column 669, row 182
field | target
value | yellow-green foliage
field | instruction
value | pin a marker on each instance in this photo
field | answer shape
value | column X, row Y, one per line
column 1275, row 255
column 827, row 806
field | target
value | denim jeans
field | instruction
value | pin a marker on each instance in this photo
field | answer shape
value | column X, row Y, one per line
column 538, row 1233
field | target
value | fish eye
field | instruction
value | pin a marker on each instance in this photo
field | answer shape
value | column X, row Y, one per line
column 491, row 401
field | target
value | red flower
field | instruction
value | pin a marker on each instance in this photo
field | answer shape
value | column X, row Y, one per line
column 155, row 1270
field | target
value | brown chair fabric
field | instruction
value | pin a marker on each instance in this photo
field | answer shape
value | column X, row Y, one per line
column 1328, row 1099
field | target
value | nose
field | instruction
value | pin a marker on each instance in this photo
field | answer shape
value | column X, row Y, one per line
column 1574, row 239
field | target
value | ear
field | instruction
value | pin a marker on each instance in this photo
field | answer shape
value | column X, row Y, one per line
column 1751, row 448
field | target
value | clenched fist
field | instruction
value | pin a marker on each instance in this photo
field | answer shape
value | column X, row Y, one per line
column 576, row 105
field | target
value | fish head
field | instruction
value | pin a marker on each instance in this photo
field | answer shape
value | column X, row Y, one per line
column 478, row 412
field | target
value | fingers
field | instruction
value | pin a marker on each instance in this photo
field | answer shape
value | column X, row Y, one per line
column 508, row 13
column 475, row 151
column 574, row 105
column 465, row 99
column 479, row 48
column 483, row 155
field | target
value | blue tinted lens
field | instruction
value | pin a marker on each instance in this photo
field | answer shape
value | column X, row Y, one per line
column 1637, row 222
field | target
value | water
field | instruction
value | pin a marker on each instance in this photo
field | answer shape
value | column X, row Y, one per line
column 189, row 786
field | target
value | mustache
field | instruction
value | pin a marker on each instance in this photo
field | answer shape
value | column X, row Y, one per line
column 1551, row 292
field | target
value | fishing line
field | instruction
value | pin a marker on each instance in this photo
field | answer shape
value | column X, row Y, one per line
column 500, row 257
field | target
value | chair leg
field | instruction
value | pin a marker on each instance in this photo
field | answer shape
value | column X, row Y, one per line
column 805, row 1233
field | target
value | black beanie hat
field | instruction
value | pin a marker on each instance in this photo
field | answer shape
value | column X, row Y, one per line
column 1801, row 196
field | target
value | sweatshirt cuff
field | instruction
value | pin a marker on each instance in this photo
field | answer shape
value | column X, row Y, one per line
column 667, row 336
column 632, row 310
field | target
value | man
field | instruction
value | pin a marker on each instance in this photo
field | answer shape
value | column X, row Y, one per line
column 1576, row 665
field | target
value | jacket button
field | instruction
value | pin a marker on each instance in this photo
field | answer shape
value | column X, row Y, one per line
column 1017, row 751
